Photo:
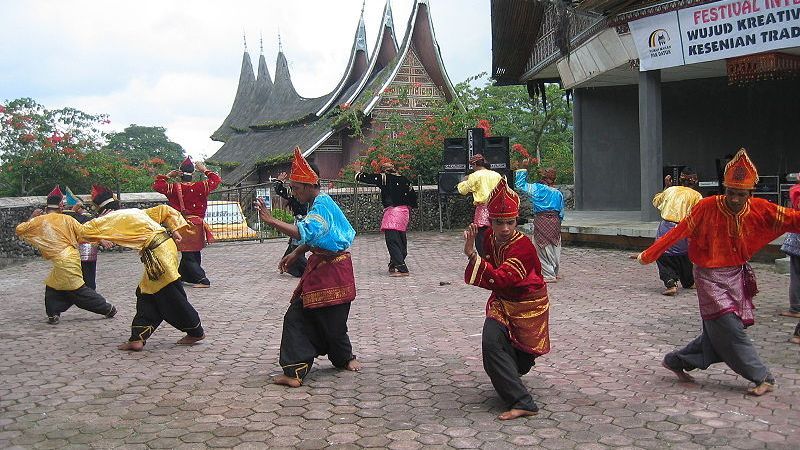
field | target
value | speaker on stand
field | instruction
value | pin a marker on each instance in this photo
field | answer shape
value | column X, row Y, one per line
column 497, row 155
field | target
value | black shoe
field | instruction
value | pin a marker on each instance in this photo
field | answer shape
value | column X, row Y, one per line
column 52, row 320
column 112, row 313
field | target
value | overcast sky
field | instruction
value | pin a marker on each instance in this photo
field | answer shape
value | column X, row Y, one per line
column 176, row 63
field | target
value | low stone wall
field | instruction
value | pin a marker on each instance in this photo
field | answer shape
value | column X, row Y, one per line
column 364, row 210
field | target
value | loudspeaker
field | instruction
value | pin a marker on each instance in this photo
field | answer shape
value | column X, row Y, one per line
column 455, row 155
column 475, row 141
column 497, row 154
column 448, row 182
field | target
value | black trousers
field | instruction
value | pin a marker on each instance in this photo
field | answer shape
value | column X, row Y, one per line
column 299, row 266
column 397, row 244
column 89, row 269
column 190, row 269
column 479, row 241
column 308, row 333
column 505, row 365
column 169, row 304
column 672, row 269
column 56, row 302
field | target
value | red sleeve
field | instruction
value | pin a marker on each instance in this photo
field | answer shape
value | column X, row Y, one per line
column 519, row 262
column 161, row 184
column 213, row 180
column 794, row 196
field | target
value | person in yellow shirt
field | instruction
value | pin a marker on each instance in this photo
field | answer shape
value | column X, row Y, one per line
column 160, row 295
column 56, row 237
column 480, row 183
column 674, row 204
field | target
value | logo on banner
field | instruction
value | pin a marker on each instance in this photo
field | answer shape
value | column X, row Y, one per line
column 658, row 43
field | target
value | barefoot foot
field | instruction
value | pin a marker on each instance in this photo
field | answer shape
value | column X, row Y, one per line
column 287, row 381
column 682, row 375
column 794, row 339
column 516, row 413
column 761, row 389
column 353, row 365
column 134, row 346
column 670, row 291
column 190, row 340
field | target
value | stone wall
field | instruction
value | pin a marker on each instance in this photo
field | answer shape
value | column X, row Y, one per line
column 364, row 210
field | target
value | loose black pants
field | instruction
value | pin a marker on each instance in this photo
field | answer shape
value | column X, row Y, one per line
column 170, row 304
column 397, row 244
column 190, row 269
column 674, row 268
column 505, row 365
column 308, row 333
column 56, row 302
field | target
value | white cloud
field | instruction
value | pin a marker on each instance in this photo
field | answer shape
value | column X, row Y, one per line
column 176, row 63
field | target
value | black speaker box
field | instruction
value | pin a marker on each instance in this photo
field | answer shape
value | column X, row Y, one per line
column 455, row 155
column 497, row 153
column 475, row 141
column 448, row 182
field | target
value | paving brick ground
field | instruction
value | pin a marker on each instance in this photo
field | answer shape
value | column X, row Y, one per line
column 422, row 384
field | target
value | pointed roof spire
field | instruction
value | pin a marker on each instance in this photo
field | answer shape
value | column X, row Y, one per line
column 244, row 38
column 261, row 41
column 280, row 45
column 389, row 20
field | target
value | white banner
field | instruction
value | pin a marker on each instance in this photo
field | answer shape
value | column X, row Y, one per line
column 714, row 31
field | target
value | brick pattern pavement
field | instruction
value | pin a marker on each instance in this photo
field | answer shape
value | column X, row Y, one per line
column 422, row 384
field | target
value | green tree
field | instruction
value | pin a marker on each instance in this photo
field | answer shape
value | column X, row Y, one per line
column 40, row 148
column 139, row 144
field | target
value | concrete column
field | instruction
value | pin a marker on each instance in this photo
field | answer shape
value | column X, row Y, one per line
column 577, row 145
column 650, row 142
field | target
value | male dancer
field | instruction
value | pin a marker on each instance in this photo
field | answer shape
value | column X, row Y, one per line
column 191, row 199
column 316, row 322
column 724, row 232
column 398, row 197
column 299, row 211
column 480, row 184
column 88, row 250
column 160, row 295
column 548, row 213
column 56, row 236
column 674, row 203
column 516, row 329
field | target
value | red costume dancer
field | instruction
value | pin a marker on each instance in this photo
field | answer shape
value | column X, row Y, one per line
column 724, row 232
column 516, row 329
column 190, row 198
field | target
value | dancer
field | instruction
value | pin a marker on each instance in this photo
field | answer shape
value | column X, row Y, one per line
column 480, row 184
column 316, row 322
column 160, row 295
column 548, row 213
column 56, row 237
column 516, row 329
column 191, row 199
column 674, row 203
column 724, row 232
column 398, row 197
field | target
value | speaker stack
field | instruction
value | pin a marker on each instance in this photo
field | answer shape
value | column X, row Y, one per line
column 457, row 151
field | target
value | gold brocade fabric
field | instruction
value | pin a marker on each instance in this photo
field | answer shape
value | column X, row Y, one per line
column 56, row 237
column 676, row 202
column 480, row 183
column 526, row 321
column 135, row 228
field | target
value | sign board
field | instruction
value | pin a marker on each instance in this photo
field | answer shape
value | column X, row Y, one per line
column 715, row 31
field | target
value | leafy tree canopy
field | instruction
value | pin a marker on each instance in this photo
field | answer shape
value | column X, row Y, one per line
column 139, row 144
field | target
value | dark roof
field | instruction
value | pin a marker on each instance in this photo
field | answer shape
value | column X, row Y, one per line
column 266, row 129
column 516, row 26
column 238, row 116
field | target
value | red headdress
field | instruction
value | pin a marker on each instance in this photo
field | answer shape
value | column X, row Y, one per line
column 476, row 157
column 55, row 197
column 740, row 172
column 301, row 171
column 503, row 202
column 187, row 166
column 101, row 196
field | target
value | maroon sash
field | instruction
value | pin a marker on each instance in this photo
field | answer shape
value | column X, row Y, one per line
column 327, row 281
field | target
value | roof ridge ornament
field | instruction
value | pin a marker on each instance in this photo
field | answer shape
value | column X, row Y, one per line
column 244, row 38
column 261, row 42
column 280, row 45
